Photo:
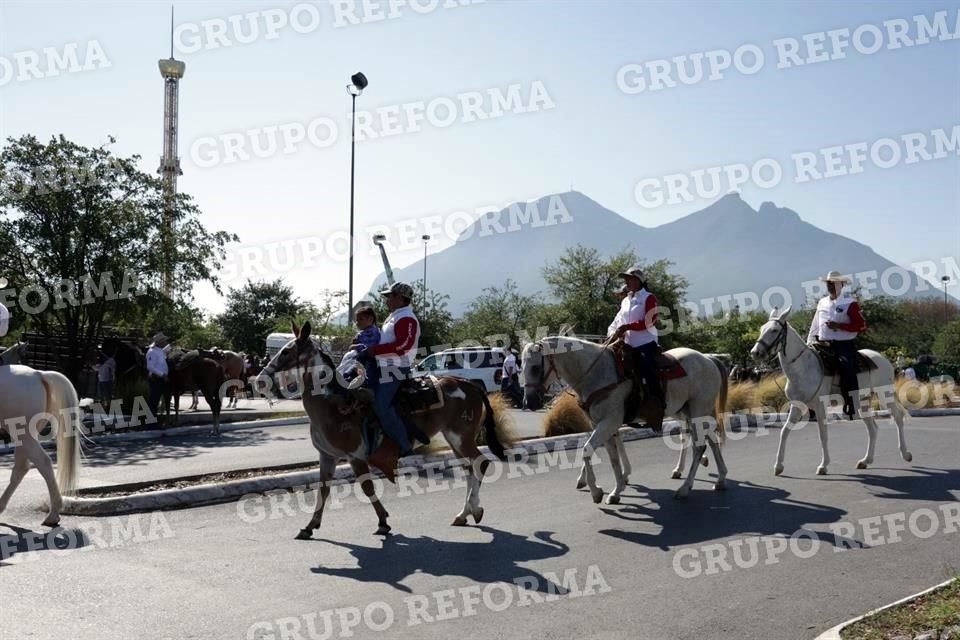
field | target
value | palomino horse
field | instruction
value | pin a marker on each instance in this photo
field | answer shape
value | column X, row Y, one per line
column 337, row 434
column 807, row 386
column 28, row 396
column 590, row 370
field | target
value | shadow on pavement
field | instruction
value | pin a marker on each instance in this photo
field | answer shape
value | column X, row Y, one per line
column 485, row 561
column 134, row 452
column 912, row 483
column 743, row 509
column 25, row 540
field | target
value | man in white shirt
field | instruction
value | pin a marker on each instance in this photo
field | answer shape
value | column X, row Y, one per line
column 4, row 312
column 510, row 381
column 157, row 371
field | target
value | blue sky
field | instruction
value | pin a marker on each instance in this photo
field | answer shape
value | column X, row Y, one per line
column 595, row 137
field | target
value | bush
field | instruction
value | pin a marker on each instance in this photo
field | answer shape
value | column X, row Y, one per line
column 768, row 394
column 564, row 417
column 741, row 396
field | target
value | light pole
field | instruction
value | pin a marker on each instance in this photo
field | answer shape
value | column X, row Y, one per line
column 358, row 82
column 425, row 239
column 945, row 280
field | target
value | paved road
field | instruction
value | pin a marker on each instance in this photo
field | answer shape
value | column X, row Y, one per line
column 208, row 573
column 198, row 453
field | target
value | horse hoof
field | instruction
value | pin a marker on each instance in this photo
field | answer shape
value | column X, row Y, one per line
column 821, row 470
column 581, row 484
column 597, row 496
column 778, row 469
column 478, row 515
column 382, row 530
column 720, row 486
column 861, row 465
column 51, row 521
column 908, row 456
column 612, row 499
column 305, row 534
column 705, row 461
column 676, row 475
column 681, row 494
column 459, row 521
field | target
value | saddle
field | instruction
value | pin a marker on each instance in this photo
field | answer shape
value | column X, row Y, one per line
column 638, row 405
column 830, row 364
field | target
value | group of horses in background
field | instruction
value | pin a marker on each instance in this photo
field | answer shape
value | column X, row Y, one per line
column 212, row 373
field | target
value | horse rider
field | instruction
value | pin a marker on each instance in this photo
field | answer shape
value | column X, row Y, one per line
column 638, row 328
column 621, row 294
column 836, row 323
column 157, row 371
column 399, row 338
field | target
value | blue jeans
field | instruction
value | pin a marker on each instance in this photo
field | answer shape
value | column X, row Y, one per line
column 384, row 391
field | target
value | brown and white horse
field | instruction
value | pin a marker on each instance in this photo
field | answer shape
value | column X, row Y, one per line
column 337, row 433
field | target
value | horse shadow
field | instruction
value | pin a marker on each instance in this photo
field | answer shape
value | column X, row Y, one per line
column 916, row 483
column 744, row 509
column 485, row 561
column 27, row 540
column 137, row 452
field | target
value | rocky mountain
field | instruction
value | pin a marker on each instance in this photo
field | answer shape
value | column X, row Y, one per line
column 730, row 252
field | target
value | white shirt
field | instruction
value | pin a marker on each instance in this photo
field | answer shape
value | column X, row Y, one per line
column 831, row 310
column 510, row 365
column 106, row 370
column 156, row 361
column 4, row 320
column 616, row 320
column 909, row 373
column 633, row 310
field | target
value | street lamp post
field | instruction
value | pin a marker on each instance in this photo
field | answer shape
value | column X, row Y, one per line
column 358, row 82
column 425, row 239
column 945, row 280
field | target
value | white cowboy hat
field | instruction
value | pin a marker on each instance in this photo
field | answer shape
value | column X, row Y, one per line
column 633, row 272
column 835, row 276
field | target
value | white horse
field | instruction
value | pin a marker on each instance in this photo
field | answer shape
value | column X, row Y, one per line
column 591, row 373
column 807, row 386
column 26, row 397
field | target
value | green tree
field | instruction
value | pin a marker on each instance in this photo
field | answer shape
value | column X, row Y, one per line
column 585, row 284
column 946, row 346
column 258, row 309
column 499, row 311
column 81, row 232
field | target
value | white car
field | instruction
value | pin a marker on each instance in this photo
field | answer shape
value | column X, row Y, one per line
column 481, row 365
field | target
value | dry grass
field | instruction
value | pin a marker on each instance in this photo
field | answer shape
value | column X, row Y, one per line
column 914, row 394
column 741, row 396
column 934, row 612
column 768, row 394
column 564, row 417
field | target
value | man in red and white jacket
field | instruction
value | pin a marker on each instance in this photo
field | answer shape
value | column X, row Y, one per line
column 638, row 315
column 399, row 337
column 837, row 322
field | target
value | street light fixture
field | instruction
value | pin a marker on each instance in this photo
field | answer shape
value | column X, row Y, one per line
column 945, row 280
column 358, row 82
column 425, row 239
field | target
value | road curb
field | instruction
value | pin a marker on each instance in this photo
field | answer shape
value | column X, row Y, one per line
column 215, row 493
column 834, row 632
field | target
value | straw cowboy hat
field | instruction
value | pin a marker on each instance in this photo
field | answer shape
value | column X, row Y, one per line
column 633, row 272
column 835, row 276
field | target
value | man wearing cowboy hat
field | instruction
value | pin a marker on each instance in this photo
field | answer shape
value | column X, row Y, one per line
column 157, row 371
column 399, row 337
column 638, row 328
column 4, row 312
column 837, row 322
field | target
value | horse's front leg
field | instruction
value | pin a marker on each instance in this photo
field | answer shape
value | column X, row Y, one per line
column 793, row 417
column 614, row 452
column 822, row 430
column 328, row 465
column 678, row 470
column 601, row 434
column 624, row 460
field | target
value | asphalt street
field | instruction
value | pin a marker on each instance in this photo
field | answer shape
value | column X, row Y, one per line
column 651, row 567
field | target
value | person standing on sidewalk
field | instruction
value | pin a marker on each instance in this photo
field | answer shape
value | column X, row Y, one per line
column 157, row 372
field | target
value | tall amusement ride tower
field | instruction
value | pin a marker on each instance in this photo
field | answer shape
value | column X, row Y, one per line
column 171, row 70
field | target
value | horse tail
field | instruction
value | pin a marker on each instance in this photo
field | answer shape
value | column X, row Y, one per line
column 490, row 419
column 720, row 407
column 64, row 405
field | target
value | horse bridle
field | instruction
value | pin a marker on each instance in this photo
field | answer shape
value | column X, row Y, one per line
column 549, row 368
column 779, row 345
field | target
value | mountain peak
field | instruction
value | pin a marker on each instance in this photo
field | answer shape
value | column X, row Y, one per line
column 770, row 208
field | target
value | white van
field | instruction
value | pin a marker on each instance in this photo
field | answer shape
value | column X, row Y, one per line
column 481, row 365
column 277, row 341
